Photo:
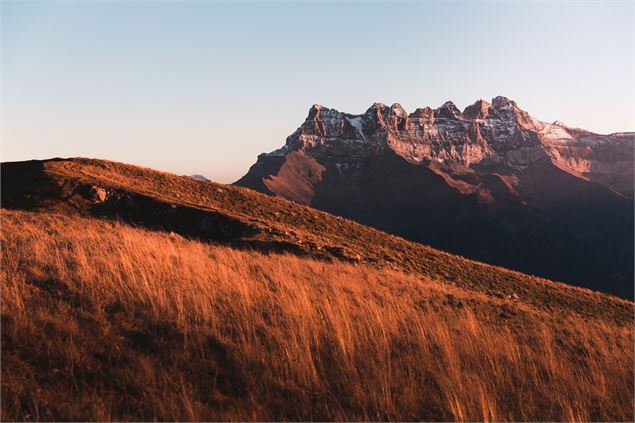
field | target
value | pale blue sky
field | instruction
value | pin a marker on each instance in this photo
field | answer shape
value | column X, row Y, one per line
column 204, row 87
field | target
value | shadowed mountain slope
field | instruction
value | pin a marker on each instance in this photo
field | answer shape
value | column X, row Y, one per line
column 491, row 183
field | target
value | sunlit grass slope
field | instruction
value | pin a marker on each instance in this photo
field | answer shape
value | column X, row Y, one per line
column 164, row 201
column 101, row 321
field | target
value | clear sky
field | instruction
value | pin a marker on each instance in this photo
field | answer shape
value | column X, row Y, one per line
column 204, row 87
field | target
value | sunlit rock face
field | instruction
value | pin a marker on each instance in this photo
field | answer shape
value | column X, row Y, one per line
column 496, row 133
column 490, row 183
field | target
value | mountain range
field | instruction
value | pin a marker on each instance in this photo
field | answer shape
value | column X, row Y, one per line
column 490, row 183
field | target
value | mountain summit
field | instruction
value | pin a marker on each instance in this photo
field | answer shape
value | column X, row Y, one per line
column 490, row 182
column 484, row 134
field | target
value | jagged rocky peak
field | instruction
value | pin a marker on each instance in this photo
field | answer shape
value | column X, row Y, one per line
column 501, row 102
column 397, row 119
column 314, row 111
column 409, row 135
column 322, row 121
column 500, row 108
column 496, row 132
column 447, row 111
column 506, row 110
column 489, row 134
column 423, row 116
column 399, row 111
column 478, row 110
column 376, row 112
column 326, row 122
column 319, row 112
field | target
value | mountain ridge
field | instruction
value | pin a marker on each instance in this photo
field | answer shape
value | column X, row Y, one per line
column 522, row 190
column 478, row 135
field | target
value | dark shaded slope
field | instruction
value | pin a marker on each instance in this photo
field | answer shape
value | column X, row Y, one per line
column 491, row 183
column 540, row 220
column 568, row 229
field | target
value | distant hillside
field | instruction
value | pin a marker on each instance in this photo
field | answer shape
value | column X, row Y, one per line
column 199, row 177
column 490, row 182
column 245, row 219
column 105, row 322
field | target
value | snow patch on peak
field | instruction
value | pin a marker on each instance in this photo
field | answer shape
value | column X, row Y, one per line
column 555, row 131
column 356, row 122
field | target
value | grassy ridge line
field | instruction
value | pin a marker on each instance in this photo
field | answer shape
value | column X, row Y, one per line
column 309, row 226
column 101, row 321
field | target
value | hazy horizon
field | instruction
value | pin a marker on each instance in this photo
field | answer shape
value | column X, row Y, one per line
column 204, row 87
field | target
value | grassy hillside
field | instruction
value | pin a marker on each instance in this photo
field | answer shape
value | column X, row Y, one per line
column 102, row 321
column 246, row 219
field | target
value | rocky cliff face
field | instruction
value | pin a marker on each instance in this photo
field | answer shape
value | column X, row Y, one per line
column 491, row 183
column 486, row 134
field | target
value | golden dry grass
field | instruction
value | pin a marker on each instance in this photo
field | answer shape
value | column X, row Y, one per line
column 101, row 321
column 59, row 186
